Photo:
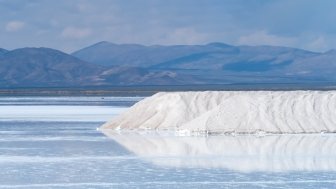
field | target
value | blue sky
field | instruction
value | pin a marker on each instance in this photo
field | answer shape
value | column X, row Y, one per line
column 72, row 24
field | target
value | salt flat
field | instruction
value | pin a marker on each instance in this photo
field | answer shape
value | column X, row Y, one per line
column 274, row 153
column 54, row 152
column 57, row 113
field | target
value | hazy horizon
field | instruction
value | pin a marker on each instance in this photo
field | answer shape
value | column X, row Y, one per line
column 146, row 45
column 71, row 25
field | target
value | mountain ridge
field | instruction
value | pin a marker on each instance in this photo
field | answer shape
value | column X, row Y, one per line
column 43, row 66
column 3, row 51
column 110, row 64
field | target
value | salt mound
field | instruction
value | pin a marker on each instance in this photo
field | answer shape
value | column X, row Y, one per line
column 233, row 112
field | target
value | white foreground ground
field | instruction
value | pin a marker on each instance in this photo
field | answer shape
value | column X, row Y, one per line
column 232, row 112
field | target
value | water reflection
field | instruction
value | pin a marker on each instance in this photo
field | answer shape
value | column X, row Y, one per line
column 275, row 153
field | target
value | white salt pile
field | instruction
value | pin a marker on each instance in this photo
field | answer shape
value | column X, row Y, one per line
column 233, row 112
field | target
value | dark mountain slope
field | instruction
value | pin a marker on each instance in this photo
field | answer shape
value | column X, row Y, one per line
column 108, row 54
column 44, row 66
column 2, row 51
column 212, row 56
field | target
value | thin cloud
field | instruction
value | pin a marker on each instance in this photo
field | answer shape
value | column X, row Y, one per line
column 264, row 38
column 75, row 33
column 14, row 26
column 318, row 44
column 188, row 36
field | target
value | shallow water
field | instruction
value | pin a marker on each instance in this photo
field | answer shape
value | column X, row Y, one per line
column 53, row 143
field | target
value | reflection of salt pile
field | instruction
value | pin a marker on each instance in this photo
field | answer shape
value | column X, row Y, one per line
column 233, row 111
column 241, row 153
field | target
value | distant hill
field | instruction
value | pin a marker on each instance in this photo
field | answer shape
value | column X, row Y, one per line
column 210, row 56
column 108, row 64
column 2, row 51
column 107, row 54
column 218, row 63
column 319, row 67
column 44, row 67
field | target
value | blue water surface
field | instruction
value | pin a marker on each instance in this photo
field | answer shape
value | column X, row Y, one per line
column 53, row 142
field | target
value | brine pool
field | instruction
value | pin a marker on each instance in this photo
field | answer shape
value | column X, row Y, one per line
column 53, row 142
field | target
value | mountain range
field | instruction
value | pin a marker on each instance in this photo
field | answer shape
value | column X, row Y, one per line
column 109, row 64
